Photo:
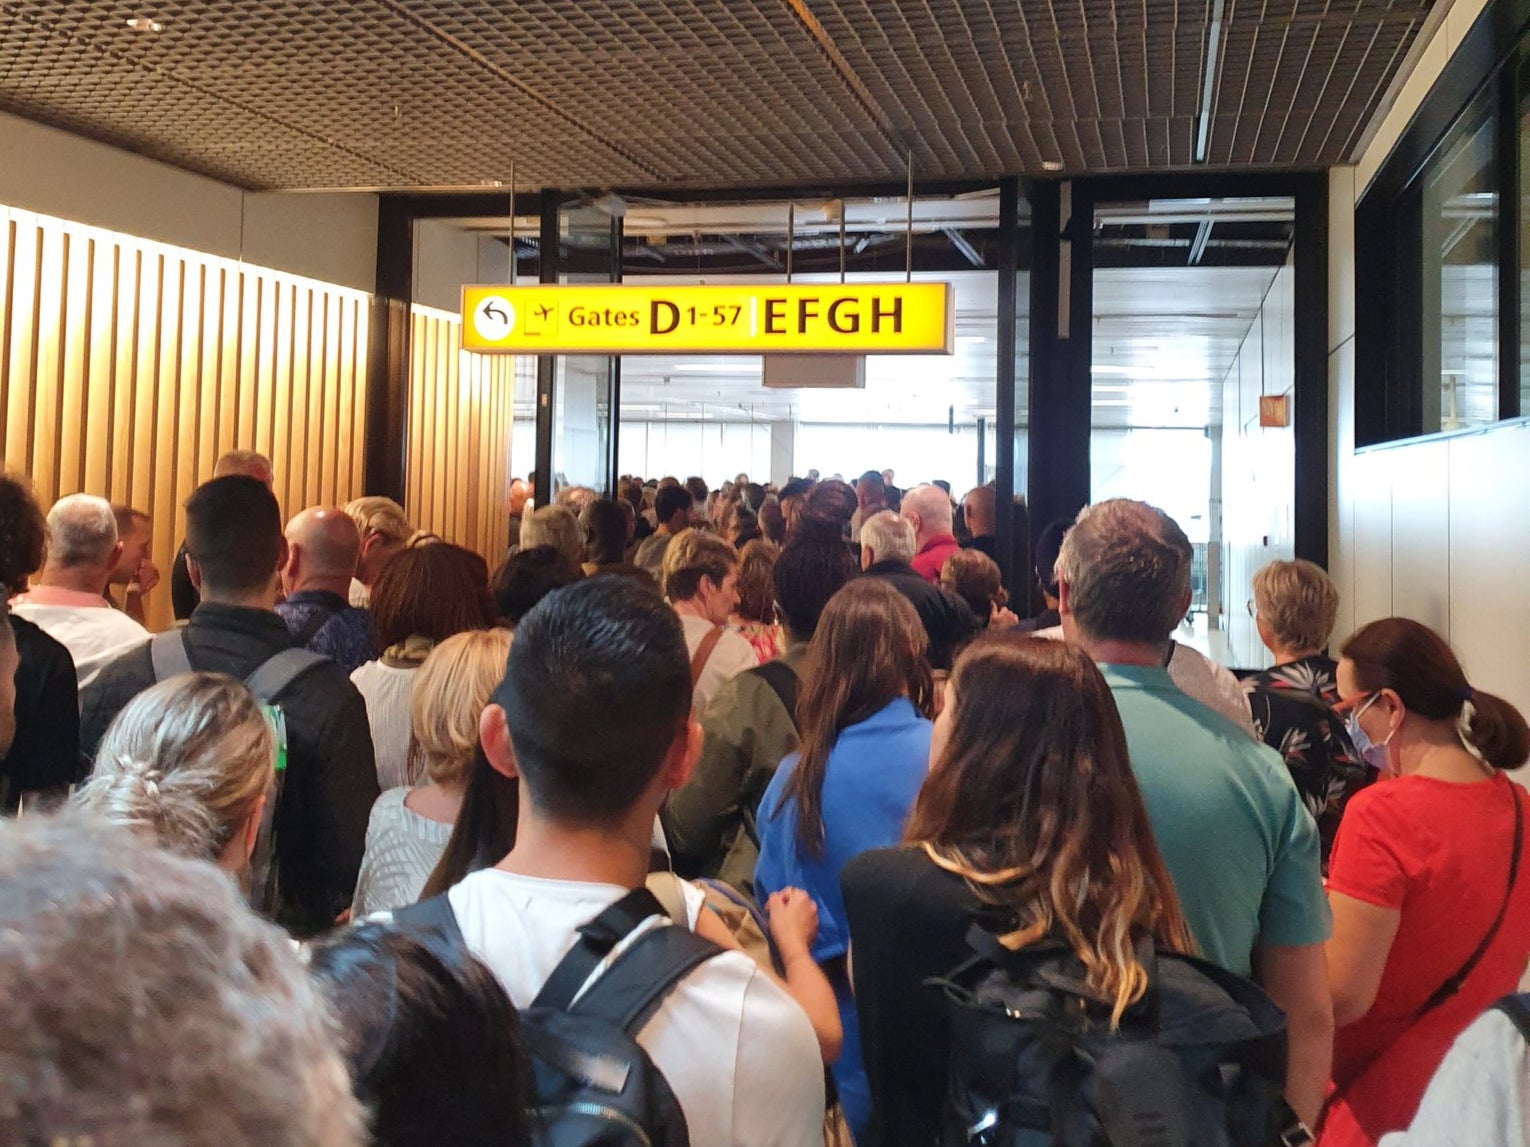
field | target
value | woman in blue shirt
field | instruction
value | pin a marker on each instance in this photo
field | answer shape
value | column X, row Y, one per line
column 865, row 751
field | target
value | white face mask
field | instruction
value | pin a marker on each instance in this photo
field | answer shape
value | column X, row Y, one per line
column 1374, row 754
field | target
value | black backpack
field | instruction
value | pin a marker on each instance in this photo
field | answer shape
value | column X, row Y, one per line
column 1199, row 1061
column 592, row 1084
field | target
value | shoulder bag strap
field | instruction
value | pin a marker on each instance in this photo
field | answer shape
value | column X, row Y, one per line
column 312, row 626
column 1517, row 1008
column 1453, row 985
column 703, row 652
column 596, row 940
column 272, row 676
column 168, row 652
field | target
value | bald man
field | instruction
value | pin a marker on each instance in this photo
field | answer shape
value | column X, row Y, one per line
column 184, row 597
column 928, row 510
column 323, row 546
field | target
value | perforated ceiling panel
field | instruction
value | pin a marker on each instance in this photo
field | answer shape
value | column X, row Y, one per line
column 728, row 93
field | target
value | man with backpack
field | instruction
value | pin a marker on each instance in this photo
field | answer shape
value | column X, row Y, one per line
column 749, row 725
column 235, row 550
column 1237, row 840
column 593, row 720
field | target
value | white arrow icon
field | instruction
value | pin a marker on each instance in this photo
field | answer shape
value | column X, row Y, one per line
column 494, row 318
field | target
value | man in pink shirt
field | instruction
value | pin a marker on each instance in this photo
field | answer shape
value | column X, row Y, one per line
column 928, row 510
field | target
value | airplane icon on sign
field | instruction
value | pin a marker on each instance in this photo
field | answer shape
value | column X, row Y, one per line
column 543, row 312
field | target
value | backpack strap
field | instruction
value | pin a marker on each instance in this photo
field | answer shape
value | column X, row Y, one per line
column 272, row 677
column 631, row 989
column 168, row 653
column 783, row 682
column 704, row 653
column 434, row 924
column 596, row 940
column 1517, row 1008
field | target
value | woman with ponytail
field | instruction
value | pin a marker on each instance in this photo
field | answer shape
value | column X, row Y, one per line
column 864, row 752
column 1030, row 823
column 188, row 764
column 1431, row 904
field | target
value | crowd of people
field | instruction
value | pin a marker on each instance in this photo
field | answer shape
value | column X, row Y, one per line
column 736, row 815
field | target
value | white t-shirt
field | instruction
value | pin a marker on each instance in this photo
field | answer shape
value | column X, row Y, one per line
column 731, row 655
column 737, row 1051
column 94, row 635
column 1198, row 676
column 388, row 692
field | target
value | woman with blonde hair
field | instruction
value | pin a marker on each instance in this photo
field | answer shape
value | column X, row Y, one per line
column 409, row 827
column 188, row 763
column 1030, row 823
column 865, row 748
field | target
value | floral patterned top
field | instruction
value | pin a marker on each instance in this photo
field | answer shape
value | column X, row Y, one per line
column 1292, row 706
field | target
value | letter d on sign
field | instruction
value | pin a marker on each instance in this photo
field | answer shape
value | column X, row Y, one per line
column 670, row 320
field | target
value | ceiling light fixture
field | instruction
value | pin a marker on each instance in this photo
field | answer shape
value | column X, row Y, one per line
column 144, row 24
column 1051, row 165
column 1208, row 79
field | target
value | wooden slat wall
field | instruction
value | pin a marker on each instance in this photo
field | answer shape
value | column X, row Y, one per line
column 458, row 450
column 127, row 367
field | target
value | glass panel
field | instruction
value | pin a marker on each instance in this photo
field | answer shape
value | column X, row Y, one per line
column 1194, row 324
column 1460, row 257
column 583, row 383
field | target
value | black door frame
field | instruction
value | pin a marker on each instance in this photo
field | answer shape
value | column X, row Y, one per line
column 1061, row 336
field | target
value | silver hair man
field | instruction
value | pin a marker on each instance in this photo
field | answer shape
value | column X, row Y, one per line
column 1124, row 571
column 145, row 1005
column 82, row 531
column 885, row 537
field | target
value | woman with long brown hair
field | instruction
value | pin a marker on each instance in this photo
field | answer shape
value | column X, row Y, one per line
column 1431, row 908
column 864, row 753
column 1031, row 823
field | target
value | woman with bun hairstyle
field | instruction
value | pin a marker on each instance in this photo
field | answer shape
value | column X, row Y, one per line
column 1431, row 903
column 188, row 764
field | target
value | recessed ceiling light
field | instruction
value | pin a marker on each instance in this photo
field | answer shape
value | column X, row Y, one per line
column 1051, row 165
column 144, row 24
column 492, row 182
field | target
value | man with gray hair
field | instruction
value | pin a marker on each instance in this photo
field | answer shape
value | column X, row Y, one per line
column 184, row 596
column 887, row 548
column 69, row 600
column 1240, row 845
column 146, row 1005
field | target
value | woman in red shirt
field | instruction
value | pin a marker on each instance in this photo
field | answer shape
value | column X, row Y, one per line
column 1431, row 915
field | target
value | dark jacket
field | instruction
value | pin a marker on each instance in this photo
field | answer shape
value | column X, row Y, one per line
column 327, row 623
column 947, row 619
column 45, row 754
column 331, row 780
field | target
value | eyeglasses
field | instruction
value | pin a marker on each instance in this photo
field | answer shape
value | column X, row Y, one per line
column 1253, row 609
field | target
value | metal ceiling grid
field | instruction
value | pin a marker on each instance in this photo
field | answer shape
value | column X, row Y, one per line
column 727, row 93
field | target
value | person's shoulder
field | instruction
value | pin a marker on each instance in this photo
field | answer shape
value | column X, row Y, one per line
column 734, row 646
column 885, row 873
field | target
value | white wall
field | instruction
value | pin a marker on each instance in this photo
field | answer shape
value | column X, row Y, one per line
column 1434, row 530
column 332, row 238
column 1258, row 463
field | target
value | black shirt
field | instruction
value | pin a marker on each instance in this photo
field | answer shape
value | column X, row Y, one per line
column 331, row 780
column 908, row 922
column 45, row 754
column 948, row 621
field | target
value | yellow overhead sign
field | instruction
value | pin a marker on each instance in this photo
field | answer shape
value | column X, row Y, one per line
column 816, row 318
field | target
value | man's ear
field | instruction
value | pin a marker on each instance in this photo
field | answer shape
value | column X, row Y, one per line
column 116, row 556
column 282, row 553
column 194, row 572
column 1064, row 598
column 683, row 754
column 291, row 562
column 494, row 735
column 1184, row 602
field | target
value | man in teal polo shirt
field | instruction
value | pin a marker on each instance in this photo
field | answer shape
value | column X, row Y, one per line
column 1241, row 847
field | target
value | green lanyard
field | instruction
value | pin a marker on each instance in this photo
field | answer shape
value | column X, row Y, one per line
column 278, row 722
